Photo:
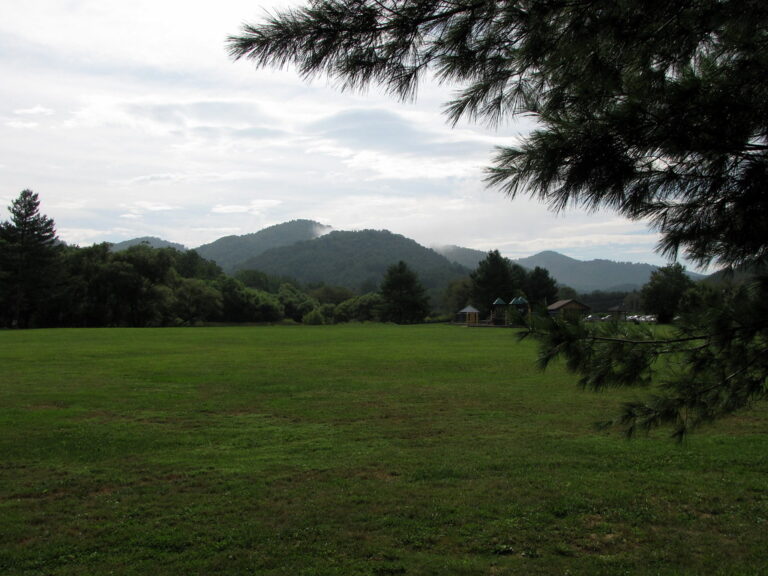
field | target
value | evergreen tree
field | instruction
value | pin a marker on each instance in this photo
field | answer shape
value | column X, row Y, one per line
column 664, row 291
column 27, row 256
column 404, row 298
column 655, row 109
column 495, row 277
column 540, row 287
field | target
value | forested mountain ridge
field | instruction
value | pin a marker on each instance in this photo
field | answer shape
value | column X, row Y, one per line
column 590, row 275
column 581, row 275
column 230, row 251
column 356, row 260
column 348, row 260
column 151, row 241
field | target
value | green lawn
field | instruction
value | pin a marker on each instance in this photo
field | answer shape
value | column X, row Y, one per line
column 358, row 449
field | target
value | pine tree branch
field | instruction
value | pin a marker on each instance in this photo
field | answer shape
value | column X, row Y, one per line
column 648, row 342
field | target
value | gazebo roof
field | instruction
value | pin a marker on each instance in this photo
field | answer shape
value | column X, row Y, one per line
column 469, row 310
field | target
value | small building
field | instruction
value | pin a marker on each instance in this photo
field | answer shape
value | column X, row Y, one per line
column 468, row 315
column 568, row 308
column 617, row 313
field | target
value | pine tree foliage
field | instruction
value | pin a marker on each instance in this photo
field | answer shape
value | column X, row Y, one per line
column 404, row 299
column 495, row 277
column 655, row 109
column 714, row 364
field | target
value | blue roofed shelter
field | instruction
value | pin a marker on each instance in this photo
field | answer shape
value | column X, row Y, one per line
column 521, row 304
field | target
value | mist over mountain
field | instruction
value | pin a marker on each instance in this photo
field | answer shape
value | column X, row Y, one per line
column 467, row 257
column 230, row 251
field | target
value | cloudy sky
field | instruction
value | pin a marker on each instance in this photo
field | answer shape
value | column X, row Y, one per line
column 129, row 119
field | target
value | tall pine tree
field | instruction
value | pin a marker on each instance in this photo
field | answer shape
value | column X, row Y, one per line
column 404, row 298
column 27, row 254
column 495, row 277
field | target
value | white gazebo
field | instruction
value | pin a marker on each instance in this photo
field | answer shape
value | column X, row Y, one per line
column 468, row 315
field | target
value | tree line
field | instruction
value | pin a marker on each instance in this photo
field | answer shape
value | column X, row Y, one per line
column 46, row 283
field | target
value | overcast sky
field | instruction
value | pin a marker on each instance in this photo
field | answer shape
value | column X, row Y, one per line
column 129, row 119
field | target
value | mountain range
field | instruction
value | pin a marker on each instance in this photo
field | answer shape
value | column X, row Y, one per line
column 590, row 275
column 314, row 253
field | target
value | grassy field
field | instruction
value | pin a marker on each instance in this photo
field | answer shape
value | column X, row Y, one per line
column 356, row 449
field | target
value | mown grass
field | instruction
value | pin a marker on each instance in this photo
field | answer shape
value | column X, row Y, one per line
column 359, row 449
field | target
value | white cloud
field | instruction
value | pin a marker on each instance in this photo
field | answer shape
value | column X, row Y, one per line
column 153, row 178
column 152, row 206
column 383, row 166
column 217, row 231
column 21, row 124
column 253, row 207
column 34, row 111
column 85, row 236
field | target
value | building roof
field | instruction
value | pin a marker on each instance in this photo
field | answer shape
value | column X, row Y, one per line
column 499, row 302
column 563, row 303
column 519, row 301
column 469, row 310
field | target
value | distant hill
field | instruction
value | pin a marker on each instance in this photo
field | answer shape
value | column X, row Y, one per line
column 590, row 275
column 735, row 277
column 357, row 260
column 149, row 240
column 582, row 276
column 230, row 251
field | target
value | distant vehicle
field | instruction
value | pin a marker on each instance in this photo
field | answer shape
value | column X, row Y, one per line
column 647, row 318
